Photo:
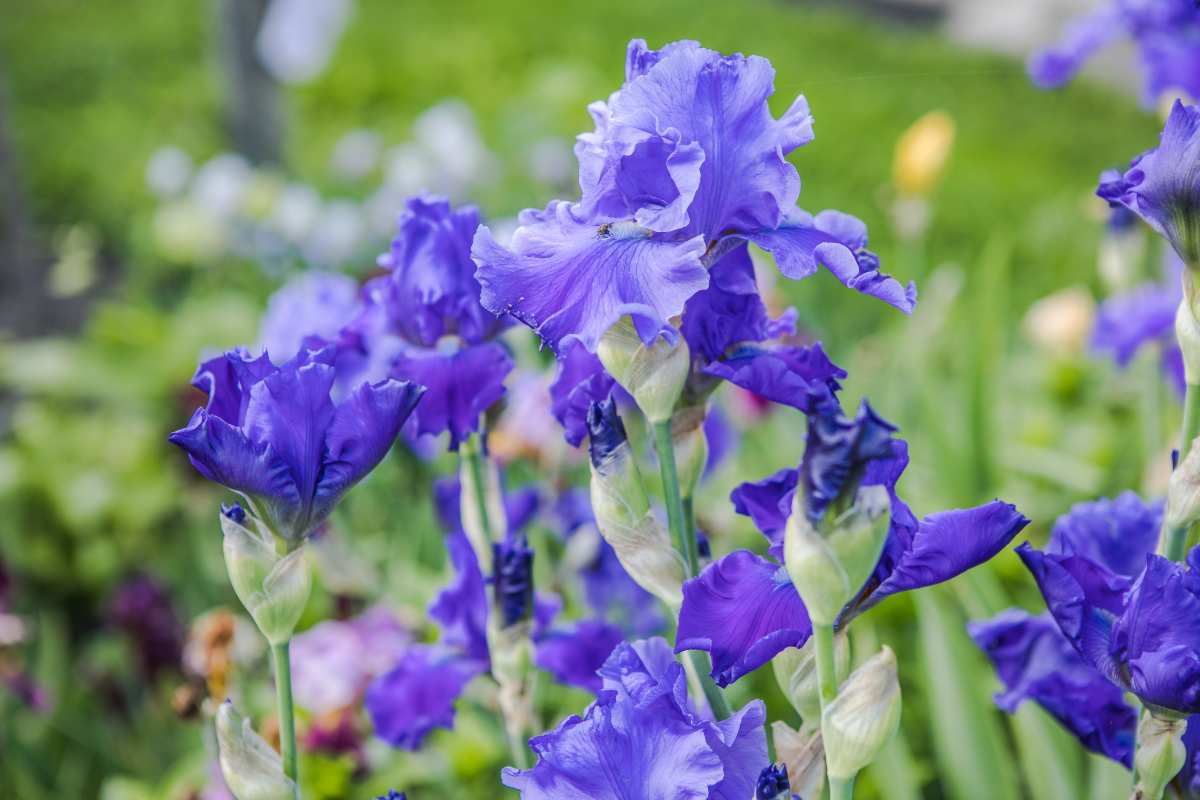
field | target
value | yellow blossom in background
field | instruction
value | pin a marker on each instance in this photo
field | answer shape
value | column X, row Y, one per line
column 1061, row 323
column 922, row 152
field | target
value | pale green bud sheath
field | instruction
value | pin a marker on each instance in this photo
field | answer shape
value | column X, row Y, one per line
column 654, row 375
column 252, row 769
column 796, row 673
column 1160, row 755
column 1187, row 331
column 860, row 720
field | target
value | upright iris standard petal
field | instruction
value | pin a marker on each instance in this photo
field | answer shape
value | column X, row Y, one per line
column 580, row 381
column 571, row 279
column 418, row 694
column 837, row 452
column 574, row 653
column 801, row 377
column 1162, row 185
column 460, row 386
column 431, row 291
column 313, row 303
column 743, row 610
column 1117, row 534
column 802, row 243
column 1035, row 662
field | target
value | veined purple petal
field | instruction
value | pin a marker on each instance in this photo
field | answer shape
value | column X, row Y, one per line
column 801, row 377
column 570, row 280
column 1036, row 662
column 741, row 743
column 743, row 610
column 572, row 655
column 1117, row 534
column 581, row 381
column 418, row 694
column 227, row 380
column 460, row 387
column 769, row 504
column 838, row 242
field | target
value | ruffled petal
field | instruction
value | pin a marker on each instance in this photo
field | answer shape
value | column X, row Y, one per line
column 580, row 381
column 461, row 609
column 1035, row 662
column 569, row 279
column 741, row 743
column 572, row 655
column 769, row 504
column 227, row 380
column 1118, row 534
column 801, row 377
column 418, row 694
column 743, row 610
column 838, row 242
column 460, row 387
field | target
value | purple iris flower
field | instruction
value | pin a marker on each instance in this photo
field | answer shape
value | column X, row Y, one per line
column 1166, row 32
column 314, row 303
column 430, row 299
column 580, row 381
column 1036, row 662
column 274, row 434
column 392, row 795
column 334, row 661
column 1162, row 185
column 743, row 608
column 142, row 609
column 1131, row 614
column 1144, row 315
column 644, row 723
column 686, row 161
column 773, row 783
column 609, row 590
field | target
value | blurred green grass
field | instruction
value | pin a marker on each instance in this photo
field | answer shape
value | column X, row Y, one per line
column 97, row 86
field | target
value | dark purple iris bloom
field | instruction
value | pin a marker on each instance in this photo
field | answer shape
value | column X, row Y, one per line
column 837, row 453
column 685, row 161
column 607, row 587
column 1131, row 614
column 1162, row 186
column 580, row 381
column 1166, row 32
column 419, row 693
column 1145, row 315
column 1036, row 662
column 773, row 783
column 142, row 609
column 743, row 608
column 512, row 579
column 644, row 738
column 274, row 435
column 430, row 298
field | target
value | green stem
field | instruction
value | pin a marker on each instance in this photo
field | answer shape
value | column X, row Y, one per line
column 689, row 525
column 840, row 789
column 1174, row 538
column 472, row 452
column 287, row 719
column 686, row 545
column 822, row 637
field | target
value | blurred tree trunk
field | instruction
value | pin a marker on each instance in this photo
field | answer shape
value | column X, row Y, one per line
column 252, row 97
column 20, row 285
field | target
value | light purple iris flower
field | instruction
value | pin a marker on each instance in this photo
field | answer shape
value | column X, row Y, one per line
column 311, row 304
column 1144, row 316
column 686, row 161
column 1166, row 33
column 275, row 435
column 334, row 661
column 1132, row 615
column 644, row 723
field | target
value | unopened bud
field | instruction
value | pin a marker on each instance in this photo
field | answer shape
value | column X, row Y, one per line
column 691, row 447
column 481, row 532
column 654, row 375
column 796, row 672
column 1183, row 490
column 829, row 566
column 274, row 588
column 804, row 754
column 1160, row 755
column 1187, row 332
column 512, row 580
column 922, row 152
column 863, row 716
column 252, row 769
column 773, row 783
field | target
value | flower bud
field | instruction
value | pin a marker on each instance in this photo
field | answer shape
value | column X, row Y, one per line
column 804, row 754
column 654, row 375
column 1160, row 754
column 512, row 581
column 480, row 532
column 1183, row 490
column 511, row 652
column 273, row 588
column 691, row 447
column 1187, row 331
column 863, row 716
column 252, row 769
column 796, row 672
column 829, row 566
column 773, row 783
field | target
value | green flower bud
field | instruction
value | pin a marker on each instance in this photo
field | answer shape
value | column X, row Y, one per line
column 796, row 672
column 863, row 716
column 1187, row 331
column 252, row 769
column 653, row 375
column 1183, row 491
column 691, row 447
column 828, row 566
column 274, row 588
column 804, row 754
column 1160, row 755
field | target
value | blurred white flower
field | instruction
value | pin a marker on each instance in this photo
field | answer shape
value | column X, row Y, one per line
column 186, row 232
column 337, row 233
column 356, row 154
column 220, row 185
column 168, row 171
column 448, row 133
column 298, row 37
column 407, row 169
column 1062, row 322
column 296, row 210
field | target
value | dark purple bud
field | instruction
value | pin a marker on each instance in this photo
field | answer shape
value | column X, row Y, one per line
column 837, row 453
column 773, row 783
column 606, row 432
column 512, row 580
column 235, row 512
column 392, row 795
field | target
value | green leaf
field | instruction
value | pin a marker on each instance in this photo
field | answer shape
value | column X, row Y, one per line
column 1051, row 761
